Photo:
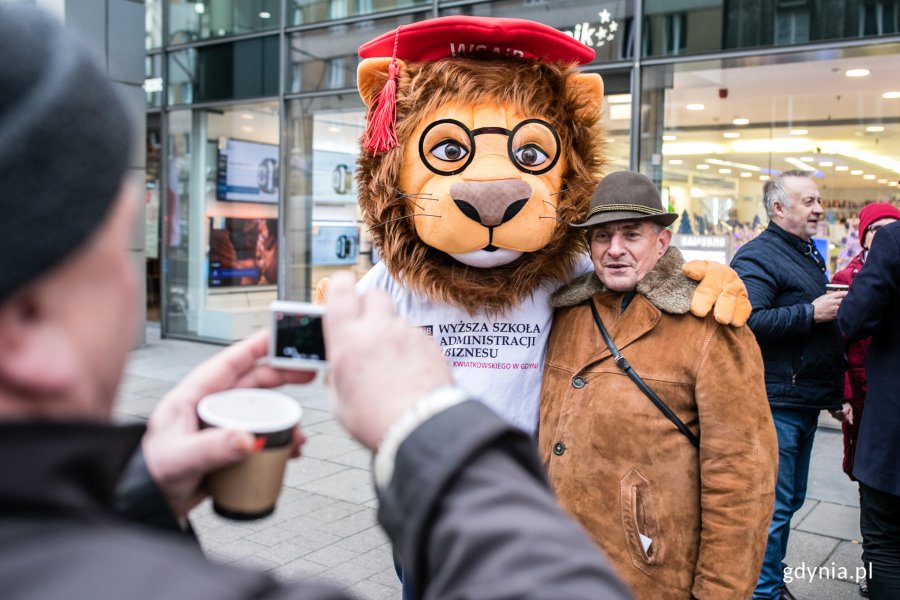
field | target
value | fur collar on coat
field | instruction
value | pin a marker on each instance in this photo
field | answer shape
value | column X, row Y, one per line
column 665, row 286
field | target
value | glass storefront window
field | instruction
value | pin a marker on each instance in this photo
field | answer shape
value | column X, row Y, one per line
column 204, row 19
column 221, row 227
column 326, row 59
column 153, row 81
column 303, row 12
column 677, row 28
column 604, row 26
column 616, row 119
column 226, row 71
column 714, row 131
column 323, row 228
column 153, row 24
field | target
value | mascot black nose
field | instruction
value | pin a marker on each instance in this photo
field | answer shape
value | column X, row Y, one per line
column 491, row 203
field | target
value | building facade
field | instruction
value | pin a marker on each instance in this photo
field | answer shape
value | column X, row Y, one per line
column 253, row 123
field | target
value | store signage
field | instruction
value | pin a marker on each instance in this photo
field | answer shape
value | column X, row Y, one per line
column 701, row 241
column 595, row 34
column 153, row 84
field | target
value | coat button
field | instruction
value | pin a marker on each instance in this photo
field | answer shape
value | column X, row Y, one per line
column 578, row 382
column 559, row 448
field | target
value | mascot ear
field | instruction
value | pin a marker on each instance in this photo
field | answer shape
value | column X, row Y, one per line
column 587, row 90
column 372, row 74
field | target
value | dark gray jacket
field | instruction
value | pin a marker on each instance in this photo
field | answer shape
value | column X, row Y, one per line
column 803, row 360
column 468, row 507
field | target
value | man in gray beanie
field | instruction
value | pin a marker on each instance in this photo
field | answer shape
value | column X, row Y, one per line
column 92, row 510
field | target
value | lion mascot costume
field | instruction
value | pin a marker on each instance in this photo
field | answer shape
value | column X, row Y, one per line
column 482, row 145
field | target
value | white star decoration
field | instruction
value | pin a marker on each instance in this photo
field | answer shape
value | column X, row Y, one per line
column 604, row 16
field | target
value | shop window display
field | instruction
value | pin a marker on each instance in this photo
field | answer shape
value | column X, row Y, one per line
column 323, row 226
column 713, row 132
column 222, row 227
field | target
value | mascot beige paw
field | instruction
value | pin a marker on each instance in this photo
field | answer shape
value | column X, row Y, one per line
column 720, row 290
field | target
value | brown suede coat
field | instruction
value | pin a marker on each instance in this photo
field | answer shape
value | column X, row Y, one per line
column 621, row 468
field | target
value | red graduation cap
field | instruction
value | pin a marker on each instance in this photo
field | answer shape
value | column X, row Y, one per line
column 446, row 37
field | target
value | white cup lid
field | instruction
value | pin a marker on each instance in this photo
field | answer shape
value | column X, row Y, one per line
column 248, row 409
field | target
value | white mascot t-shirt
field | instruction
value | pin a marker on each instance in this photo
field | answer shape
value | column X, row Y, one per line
column 497, row 359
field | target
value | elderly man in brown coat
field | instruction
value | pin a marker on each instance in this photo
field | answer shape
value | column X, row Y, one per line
column 678, row 489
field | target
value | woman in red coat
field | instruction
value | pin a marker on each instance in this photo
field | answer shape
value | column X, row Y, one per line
column 871, row 218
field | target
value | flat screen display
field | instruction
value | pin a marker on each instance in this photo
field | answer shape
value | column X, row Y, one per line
column 247, row 172
column 335, row 243
column 299, row 336
column 242, row 252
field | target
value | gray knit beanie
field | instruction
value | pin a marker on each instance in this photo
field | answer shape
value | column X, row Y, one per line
column 65, row 139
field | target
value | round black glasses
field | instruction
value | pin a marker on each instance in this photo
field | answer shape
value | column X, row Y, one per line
column 447, row 147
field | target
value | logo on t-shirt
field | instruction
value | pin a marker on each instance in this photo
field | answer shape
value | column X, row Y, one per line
column 428, row 329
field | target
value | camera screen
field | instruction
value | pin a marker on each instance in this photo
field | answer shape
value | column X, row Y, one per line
column 299, row 336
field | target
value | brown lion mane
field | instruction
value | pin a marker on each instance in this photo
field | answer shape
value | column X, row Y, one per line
column 532, row 88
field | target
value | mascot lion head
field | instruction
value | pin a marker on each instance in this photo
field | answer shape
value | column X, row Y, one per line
column 498, row 150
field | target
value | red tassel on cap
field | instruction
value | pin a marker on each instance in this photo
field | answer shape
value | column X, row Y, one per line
column 381, row 131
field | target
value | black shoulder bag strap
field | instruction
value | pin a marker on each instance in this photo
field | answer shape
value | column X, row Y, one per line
column 626, row 368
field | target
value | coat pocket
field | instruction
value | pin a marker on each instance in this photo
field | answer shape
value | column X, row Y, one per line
column 639, row 517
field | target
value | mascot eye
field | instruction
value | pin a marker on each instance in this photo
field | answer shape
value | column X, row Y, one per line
column 450, row 150
column 530, row 155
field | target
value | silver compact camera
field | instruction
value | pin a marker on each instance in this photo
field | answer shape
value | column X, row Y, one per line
column 297, row 340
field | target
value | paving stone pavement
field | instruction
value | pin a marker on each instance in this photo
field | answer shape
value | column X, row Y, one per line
column 325, row 524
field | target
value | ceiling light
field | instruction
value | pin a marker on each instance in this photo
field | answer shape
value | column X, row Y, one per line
column 729, row 163
column 874, row 128
column 199, row 8
column 882, row 181
column 856, row 72
column 842, row 168
column 890, row 95
column 695, row 107
column 746, row 174
column 610, row 141
column 265, row 15
column 334, row 129
column 731, row 134
column 693, row 148
column 741, row 121
column 800, row 165
column 247, row 128
column 669, row 138
column 724, row 171
column 676, row 161
column 763, row 177
column 868, row 176
column 619, row 98
column 826, row 163
column 856, row 172
column 799, row 131
column 807, row 158
column 702, row 167
column 792, row 145
column 893, row 184
column 247, row 116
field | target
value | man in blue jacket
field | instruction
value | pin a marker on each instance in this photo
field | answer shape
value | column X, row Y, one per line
column 871, row 310
column 794, row 322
